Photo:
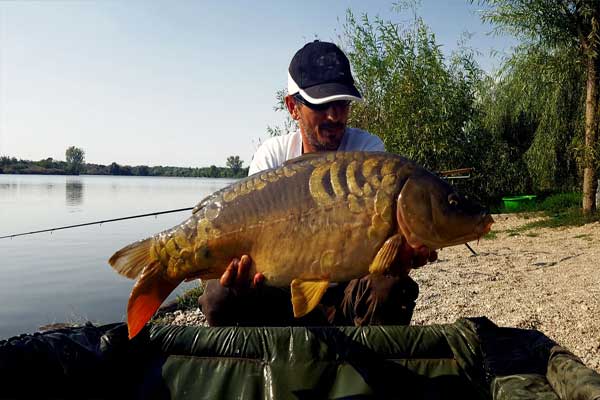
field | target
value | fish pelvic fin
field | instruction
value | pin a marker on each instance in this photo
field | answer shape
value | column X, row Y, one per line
column 131, row 260
column 387, row 255
column 306, row 295
column 151, row 289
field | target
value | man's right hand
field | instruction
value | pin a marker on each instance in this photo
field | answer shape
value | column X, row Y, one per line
column 237, row 274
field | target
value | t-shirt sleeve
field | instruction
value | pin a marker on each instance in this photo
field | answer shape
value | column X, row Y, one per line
column 265, row 157
column 259, row 162
column 365, row 141
column 374, row 144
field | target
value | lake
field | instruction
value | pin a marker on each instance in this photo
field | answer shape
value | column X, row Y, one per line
column 64, row 276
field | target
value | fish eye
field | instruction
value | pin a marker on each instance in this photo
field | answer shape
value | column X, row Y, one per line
column 453, row 199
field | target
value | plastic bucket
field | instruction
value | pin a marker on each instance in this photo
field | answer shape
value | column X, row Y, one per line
column 517, row 203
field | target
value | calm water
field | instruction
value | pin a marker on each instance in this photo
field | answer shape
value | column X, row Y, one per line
column 64, row 276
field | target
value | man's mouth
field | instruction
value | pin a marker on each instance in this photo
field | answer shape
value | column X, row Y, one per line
column 331, row 130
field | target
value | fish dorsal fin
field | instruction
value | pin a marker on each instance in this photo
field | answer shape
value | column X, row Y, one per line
column 306, row 295
column 386, row 255
column 308, row 156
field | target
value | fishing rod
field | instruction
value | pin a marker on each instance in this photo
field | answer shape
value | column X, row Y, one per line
column 97, row 222
column 121, row 219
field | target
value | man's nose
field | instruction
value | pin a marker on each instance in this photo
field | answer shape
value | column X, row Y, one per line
column 334, row 113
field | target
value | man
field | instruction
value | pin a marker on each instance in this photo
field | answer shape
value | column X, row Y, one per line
column 320, row 89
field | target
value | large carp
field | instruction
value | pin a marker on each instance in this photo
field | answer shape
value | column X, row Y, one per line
column 319, row 218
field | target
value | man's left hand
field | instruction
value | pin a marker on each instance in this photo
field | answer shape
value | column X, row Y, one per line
column 411, row 258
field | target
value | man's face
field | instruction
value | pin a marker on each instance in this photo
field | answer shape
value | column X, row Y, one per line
column 321, row 130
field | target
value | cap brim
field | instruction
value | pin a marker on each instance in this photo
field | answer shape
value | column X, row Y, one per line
column 327, row 92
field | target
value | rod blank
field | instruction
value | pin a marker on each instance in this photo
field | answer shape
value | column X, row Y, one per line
column 96, row 222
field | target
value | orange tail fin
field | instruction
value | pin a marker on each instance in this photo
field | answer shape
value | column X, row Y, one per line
column 147, row 295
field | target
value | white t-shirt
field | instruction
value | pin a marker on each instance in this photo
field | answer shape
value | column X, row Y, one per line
column 277, row 150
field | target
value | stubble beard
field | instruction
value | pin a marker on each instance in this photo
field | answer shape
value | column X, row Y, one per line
column 313, row 139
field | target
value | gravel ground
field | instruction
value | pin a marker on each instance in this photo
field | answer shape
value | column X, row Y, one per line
column 544, row 279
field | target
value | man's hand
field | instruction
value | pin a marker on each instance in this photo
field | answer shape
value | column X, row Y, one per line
column 236, row 276
column 410, row 258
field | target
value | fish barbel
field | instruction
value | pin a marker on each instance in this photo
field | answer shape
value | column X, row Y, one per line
column 319, row 218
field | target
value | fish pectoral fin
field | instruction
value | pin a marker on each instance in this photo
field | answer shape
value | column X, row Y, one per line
column 147, row 295
column 306, row 295
column 386, row 255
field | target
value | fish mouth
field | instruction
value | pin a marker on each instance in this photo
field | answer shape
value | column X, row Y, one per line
column 482, row 228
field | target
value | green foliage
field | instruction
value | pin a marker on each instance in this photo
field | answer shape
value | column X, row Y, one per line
column 561, row 39
column 554, row 23
column 534, row 109
column 234, row 163
column 189, row 299
column 490, row 235
column 419, row 104
column 289, row 125
column 560, row 203
column 426, row 107
column 75, row 158
column 114, row 169
column 570, row 217
column 13, row 166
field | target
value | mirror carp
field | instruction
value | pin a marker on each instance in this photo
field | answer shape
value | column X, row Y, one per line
column 319, row 218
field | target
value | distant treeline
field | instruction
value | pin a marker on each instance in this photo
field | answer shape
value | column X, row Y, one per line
column 49, row 166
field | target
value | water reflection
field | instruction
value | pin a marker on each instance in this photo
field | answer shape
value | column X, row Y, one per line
column 74, row 192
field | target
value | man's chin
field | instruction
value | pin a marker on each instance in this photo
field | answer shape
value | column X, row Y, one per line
column 332, row 142
column 330, row 146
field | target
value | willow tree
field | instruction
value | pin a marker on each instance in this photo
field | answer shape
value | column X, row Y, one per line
column 75, row 158
column 556, row 24
column 417, row 100
column 534, row 106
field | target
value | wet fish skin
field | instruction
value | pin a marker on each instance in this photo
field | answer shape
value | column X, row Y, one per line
column 320, row 218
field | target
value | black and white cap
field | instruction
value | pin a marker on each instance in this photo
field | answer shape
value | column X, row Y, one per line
column 320, row 72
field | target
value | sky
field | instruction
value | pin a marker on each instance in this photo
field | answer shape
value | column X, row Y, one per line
column 179, row 83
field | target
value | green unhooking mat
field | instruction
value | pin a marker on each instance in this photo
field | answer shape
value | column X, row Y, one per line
column 470, row 359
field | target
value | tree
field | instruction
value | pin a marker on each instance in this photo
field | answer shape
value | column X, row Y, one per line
column 114, row 169
column 75, row 158
column 535, row 108
column 419, row 103
column 289, row 124
column 235, row 164
column 559, row 26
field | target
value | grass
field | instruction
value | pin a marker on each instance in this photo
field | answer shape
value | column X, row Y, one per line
column 186, row 301
column 490, row 235
column 584, row 236
column 189, row 299
column 561, row 210
column 569, row 217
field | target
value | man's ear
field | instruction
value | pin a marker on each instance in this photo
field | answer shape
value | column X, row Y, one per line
column 293, row 109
